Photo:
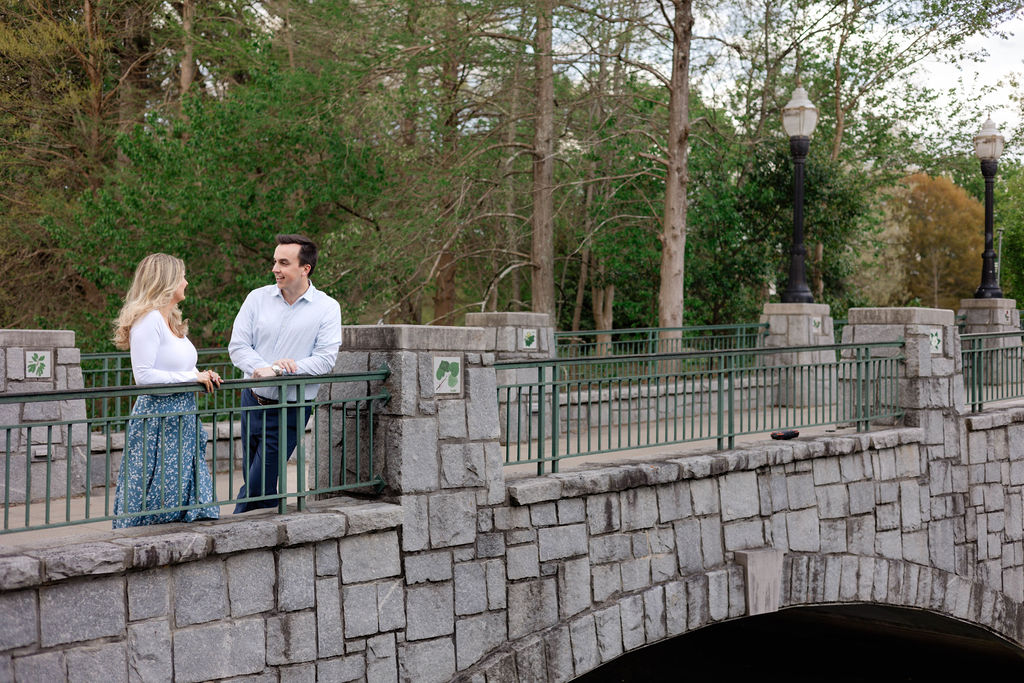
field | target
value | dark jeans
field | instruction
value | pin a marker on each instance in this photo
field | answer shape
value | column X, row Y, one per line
column 260, row 444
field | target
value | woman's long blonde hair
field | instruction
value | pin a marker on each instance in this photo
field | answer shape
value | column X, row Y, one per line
column 156, row 279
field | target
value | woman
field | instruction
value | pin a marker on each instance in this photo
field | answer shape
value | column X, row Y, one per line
column 164, row 464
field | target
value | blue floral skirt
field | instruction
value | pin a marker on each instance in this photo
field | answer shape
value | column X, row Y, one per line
column 164, row 464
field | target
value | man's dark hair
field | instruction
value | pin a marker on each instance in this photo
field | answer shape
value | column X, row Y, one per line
column 307, row 249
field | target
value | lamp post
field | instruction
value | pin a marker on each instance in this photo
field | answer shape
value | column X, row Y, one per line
column 988, row 145
column 798, row 120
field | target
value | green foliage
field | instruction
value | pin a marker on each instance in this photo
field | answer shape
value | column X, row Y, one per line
column 214, row 186
column 1009, row 217
column 399, row 136
column 741, row 232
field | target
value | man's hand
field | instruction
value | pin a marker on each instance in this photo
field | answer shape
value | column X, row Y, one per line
column 260, row 373
column 287, row 364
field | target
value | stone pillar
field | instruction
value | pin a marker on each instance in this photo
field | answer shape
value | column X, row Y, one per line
column 989, row 315
column 930, row 380
column 799, row 325
column 37, row 361
column 436, row 439
column 985, row 316
column 517, row 337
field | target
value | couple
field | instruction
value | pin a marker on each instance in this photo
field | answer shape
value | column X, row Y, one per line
column 288, row 327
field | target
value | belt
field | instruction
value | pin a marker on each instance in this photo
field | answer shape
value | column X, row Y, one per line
column 263, row 401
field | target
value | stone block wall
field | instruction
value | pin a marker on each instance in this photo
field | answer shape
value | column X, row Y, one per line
column 295, row 596
column 38, row 361
column 430, row 436
column 564, row 573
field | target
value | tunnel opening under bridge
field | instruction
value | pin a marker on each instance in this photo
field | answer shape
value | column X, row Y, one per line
column 824, row 644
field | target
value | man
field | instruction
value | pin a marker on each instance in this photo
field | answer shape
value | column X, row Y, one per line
column 286, row 328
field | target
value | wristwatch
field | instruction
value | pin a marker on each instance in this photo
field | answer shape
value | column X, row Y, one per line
column 277, row 369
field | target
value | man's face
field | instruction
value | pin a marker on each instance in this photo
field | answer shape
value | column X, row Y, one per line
column 290, row 276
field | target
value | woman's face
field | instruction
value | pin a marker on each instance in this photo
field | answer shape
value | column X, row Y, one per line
column 179, row 293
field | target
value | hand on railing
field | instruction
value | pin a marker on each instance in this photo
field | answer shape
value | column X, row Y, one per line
column 209, row 379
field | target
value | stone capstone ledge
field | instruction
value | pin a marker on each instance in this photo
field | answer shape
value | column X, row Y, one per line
column 412, row 338
column 172, row 544
column 994, row 418
column 901, row 316
column 30, row 338
column 529, row 490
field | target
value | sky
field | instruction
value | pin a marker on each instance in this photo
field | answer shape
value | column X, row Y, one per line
column 1005, row 57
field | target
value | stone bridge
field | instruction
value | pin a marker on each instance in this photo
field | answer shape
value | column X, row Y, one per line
column 464, row 571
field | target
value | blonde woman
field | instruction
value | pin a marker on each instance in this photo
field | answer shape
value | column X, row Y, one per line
column 164, row 464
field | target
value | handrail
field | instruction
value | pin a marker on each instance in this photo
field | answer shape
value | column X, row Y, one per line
column 686, row 328
column 993, row 367
column 45, row 464
column 178, row 387
column 694, row 354
column 641, row 400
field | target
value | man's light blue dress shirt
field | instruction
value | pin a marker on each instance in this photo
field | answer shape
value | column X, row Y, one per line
column 267, row 328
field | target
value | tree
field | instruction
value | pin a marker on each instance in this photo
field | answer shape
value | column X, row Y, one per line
column 673, row 239
column 1009, row 217
column 942, row 242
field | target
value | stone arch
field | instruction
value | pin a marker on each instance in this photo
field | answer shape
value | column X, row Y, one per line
column 583, row 642
column 813, row 579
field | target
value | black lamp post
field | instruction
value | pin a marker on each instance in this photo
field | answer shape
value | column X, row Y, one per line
column 988, row 145
column 798, row 120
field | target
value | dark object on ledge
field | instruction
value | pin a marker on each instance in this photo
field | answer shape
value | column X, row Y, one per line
column 786, row 434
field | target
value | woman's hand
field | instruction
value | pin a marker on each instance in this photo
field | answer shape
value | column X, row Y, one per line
column 209, row 379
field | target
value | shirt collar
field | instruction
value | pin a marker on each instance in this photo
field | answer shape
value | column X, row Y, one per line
column 307, row 295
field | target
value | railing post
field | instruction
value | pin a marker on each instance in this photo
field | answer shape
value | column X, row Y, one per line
column 861, row 399
column 731, row 400
column 720, row 400
column 556, row 416
column 541, row 418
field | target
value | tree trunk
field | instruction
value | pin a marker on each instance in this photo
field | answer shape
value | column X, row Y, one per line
column 673, row 237
column 602, row 299
column 444, row 289
column 444, row 278
column 94, row 103
column 511, row 224
column 581, row 288
column 133, row 43
column 188, row 60
column 543, row 251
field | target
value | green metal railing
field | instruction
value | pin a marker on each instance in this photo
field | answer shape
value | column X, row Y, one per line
column 114, row 369
column 549, row 412
column 59, row 473
column 993, row 367
column 648, row 340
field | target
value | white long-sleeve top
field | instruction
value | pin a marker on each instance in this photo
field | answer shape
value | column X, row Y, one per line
column 158, row 355
column 268, row 328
